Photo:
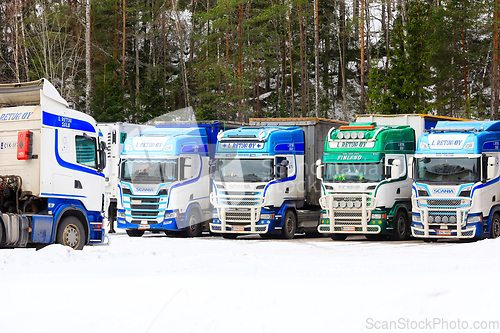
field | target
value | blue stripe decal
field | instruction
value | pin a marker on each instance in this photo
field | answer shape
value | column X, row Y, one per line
column 491, row 182
column 49, row 119
column 71, row 166
column 63, row 195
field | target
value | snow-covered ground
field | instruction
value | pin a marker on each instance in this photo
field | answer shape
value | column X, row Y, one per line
column 209, row 284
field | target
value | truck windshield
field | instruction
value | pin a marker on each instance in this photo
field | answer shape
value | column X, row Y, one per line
column 244, row 170
column 148, row 171
column 455, row 170
column 354, row 172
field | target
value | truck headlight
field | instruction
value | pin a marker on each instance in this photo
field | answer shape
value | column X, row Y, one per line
column 474, row 219
column 416, row 218
column 267, row 216
column 120, row 214
column 171, row 215
column 378, row 216
column 215, row 215
column 324, row 215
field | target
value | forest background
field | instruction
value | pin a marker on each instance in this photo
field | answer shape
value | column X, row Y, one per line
column 133, row 60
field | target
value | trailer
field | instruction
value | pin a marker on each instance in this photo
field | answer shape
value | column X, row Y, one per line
column 51, row 169
column 264, row 180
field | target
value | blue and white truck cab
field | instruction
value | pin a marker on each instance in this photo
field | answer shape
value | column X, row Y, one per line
column 51, row 162
column 456, row 181
column 164, row 179
column 264, row 179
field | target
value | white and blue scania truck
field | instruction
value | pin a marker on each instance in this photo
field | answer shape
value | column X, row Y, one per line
column 51, row 162
column 264, row 177
column 456, row 190
column 164, row 178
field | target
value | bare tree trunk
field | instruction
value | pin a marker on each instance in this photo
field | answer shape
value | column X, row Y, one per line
column 466, row 89
column 302, row 63
column 25, row 52
column 88, row 75
column 123, row 46
column 362, row 70
column 16, row 40
column 137, row 74
column 316, row 54
column 291, row 65
column 181, row 47
column 495, row 62
column 239, row 62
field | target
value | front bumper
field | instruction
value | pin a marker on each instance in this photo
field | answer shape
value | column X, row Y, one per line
column 348, row 214
column 443, row 217
column 241, row 217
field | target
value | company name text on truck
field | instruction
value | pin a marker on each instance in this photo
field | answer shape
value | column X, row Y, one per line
column 51, row 162
column 456, row 182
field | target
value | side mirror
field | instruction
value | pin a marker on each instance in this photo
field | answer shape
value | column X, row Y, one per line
column 102, row 155
column 319, row 170
column 211, row 169
column 395, row 169
column 410, row 167
column 492, row 167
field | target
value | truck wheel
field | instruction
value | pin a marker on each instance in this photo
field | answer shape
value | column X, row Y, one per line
column 193, row 225
column 289, row 225
column 495, row 226
column 229, row 236
column 339, row 237
column 400, row 226
column 135, row 232
column 71, row 233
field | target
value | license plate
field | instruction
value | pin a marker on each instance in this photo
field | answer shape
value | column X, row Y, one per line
column 348, row 229
column 443, row 232
column 144, row 226
column 237, row 228
column 135, row 202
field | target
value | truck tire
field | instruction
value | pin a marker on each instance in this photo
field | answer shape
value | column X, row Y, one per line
column 135, row 232
column 495, row 226
column 339, row 237
column 193, row 225
column 289, row 225
column 71, row 233
column 400, row 225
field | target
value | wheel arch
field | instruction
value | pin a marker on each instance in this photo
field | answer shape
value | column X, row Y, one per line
column 284, row 208
column 76, row 212
column 194, row 206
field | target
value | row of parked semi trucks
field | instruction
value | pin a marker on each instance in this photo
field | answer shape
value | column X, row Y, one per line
column 273, row 177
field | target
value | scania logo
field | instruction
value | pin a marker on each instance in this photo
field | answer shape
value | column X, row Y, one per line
column 145, row 189
column 443, row 191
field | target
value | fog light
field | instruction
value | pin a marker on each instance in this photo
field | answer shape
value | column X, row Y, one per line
column 335, row 204
column 453, row 219
column 445, row 219
column 437, row 219
column 430, row 219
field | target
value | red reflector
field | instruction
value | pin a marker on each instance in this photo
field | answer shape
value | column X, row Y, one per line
column 343, row 128
column 24, row 145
